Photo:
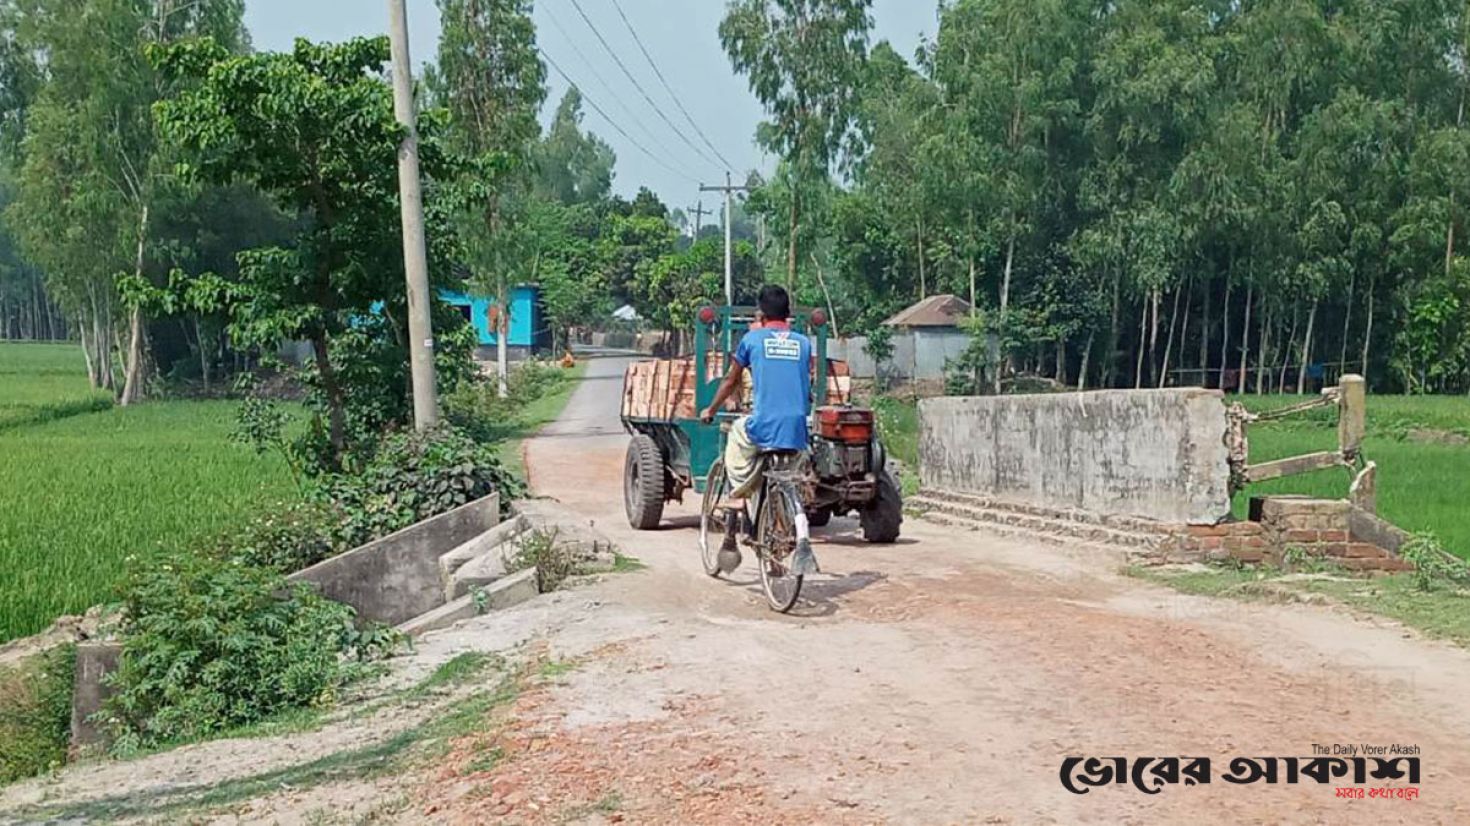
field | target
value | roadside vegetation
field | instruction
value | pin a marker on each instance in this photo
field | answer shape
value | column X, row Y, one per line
column 1435, row 599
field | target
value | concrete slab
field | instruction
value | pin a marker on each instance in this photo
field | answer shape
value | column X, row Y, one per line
column 397, row 578
column 95, row 660
column 507, row 592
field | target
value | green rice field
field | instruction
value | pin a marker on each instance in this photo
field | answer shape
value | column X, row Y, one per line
column 1421, row 445
column 83, row 485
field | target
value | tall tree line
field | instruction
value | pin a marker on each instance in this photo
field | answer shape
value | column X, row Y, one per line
column 1137, row 192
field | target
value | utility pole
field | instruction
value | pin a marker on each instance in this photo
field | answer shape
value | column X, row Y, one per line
column 411, row 199
column 729, row 191
column 699, row 212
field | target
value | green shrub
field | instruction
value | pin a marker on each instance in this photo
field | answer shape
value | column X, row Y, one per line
column 35, row 713
column 211, row 644
column 414, row 476
column 477, row 408
column 289, row 537
column 1433, row 566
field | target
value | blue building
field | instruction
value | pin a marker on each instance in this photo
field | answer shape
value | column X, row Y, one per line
column 528, row 331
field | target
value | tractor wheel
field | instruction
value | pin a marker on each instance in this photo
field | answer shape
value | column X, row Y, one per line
column 819, row 517
column 643, row 483
column 882, row 519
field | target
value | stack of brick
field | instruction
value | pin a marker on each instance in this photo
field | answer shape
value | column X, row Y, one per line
column 1243, row 541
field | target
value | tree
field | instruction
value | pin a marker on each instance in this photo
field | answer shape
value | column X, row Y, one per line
column 804, row 61
column 492, row 81
column 574, row 167
column 314, row 130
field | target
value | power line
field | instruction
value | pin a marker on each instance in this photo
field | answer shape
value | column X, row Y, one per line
column 667, row 88
column 612, row 95
column 610, row 122
column 618, row 60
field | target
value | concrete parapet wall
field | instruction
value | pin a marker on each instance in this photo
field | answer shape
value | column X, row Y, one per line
column 396, row 578
column 1154, row 454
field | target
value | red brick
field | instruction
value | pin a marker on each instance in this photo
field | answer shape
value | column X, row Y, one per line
column 1209, row 530
column 1334, row 536
column 1295, row 536
column 1363, row 550
column 1332, row 549
column 1209, row 543
column 1249, row 556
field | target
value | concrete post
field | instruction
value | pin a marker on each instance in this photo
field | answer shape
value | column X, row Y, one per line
column 1352, row 415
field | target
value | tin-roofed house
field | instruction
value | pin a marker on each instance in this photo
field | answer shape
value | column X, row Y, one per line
column 529, row 333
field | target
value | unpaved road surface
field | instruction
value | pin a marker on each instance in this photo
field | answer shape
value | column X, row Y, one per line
column 940, row 680
column 944, row 680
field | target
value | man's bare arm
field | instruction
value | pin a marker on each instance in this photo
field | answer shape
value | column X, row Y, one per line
column 727, row 388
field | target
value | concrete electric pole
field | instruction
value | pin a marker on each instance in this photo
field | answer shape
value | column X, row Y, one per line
column 699, row 212
column 415, row 255
column 729, row 191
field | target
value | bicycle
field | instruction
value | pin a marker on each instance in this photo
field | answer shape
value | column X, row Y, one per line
column 773, row 533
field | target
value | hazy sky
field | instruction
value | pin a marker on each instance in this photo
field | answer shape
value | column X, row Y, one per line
column 680, row 35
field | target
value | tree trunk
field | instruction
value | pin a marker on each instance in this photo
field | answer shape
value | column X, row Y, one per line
column 1264, row 343
column 791, row 248
column 502, row 331
column 1245, row 338
column 1301, row 373
column 1153, row 339
column 133, row 374
column 1142, row 331
column 974, row 307
column 336, row 403
column 203, row 353
column 1110, row 370
column 87, row 356
column 1061, row 374
column 1347, row 319
column 1086, row 359
column 1368, row 330
column 1288, row 350
column 1204, row 338
column 1183, row 332
column 923, row 276
column 1005, row 281
column 831, row 308
column 1224, row 334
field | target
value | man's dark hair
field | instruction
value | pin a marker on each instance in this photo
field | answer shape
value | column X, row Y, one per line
column 775, row 304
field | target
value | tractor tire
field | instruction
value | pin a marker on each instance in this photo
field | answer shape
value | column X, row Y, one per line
column 643, row 483
column 819, row 517
column 883, row 518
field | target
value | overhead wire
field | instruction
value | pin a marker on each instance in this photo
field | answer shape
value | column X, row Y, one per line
column 614, row 124
column 602, row 82
column 667, row 88
column 646, row 97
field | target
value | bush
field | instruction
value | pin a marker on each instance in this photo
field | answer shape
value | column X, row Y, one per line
column 212, row 644
column 1433, row 565
column 414, row 476
column 35, row 713
column 290, row 537
column 478, row 409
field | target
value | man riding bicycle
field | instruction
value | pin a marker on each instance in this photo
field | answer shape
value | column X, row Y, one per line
column 779, row 360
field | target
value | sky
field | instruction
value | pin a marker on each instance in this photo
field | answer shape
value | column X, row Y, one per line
column 681, row 37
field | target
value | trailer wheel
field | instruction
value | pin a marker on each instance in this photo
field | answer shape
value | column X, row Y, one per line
column 883, row 518
column 643, row 483
column 819, row 517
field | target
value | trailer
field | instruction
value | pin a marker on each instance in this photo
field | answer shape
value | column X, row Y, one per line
column 671, row 450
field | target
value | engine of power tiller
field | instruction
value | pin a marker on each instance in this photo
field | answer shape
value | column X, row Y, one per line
column 846, row 455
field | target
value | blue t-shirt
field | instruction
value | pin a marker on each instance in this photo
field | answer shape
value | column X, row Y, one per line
column 779, row 361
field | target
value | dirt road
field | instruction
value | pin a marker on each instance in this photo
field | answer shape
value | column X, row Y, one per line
column 944, row 680
column 940, row 680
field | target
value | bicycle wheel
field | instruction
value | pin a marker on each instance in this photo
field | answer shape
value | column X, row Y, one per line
column 712, row 518
column 776, row 541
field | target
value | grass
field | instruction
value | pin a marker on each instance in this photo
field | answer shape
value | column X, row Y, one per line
column 1441, row 614
column 1422, row 485
column 44, row 381
column 83, row 492
column 35, row 713
column 898, row 426
column 537, row 414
